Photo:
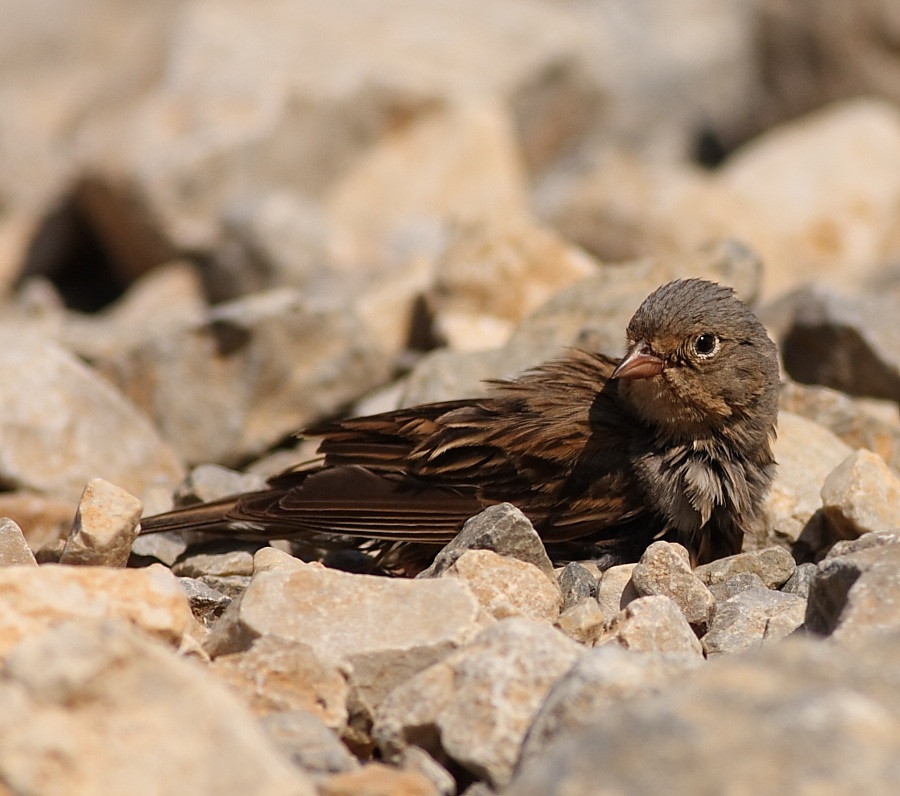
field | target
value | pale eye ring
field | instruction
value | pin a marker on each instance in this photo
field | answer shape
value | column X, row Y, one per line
column 706, row 345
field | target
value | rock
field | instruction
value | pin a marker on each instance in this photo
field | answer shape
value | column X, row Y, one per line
column 72, row 693
column 848, row 343
column 743, row 581
column 799, row 583
column 860, row 495
column 815, row 714
column 252, row 373
column 503, row 529
column 507, row 587
column 490, row 277
column 230, row 585
column 270, row 559
column 751, row 618
column 230, row 561
column 37, row 598
column 208, row 482
column 652, row 624
column 583, row 622
column 414, row 759
column 806, row 453
column 106, row 525
column 665, row 570
column 864, row 542
column 616, row 589
column 598, row 681
column 307, row 742
column 856, row 594
column 575, row 583
column 773, row 565
column 207, row 603
column 377, row 779
column 41, row 518
column 383, row 628
column 276, row 676
column 475, row 706
column 63, row 425
column 166, row 548
column 14, row 550
column 861, row 423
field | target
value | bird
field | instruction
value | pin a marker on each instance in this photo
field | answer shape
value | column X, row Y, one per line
column 604, row 455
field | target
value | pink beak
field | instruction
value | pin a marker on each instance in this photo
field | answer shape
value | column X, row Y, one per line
column 639, row 363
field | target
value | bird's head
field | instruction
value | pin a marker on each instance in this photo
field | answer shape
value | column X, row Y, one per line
column 697, row 360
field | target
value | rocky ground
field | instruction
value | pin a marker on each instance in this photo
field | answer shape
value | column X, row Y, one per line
column 221, row 221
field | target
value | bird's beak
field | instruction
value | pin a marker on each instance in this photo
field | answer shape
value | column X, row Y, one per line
column 639, row 363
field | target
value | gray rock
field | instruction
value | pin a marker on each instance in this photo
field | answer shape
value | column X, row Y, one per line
column 383, row 628
column 105, row 527
column 164, row 547
column 665, row 570
column 652, row 624
column 856, row 594
column 77, row 690
column 253, row 372
column 752, row 618
column 208, row 482
column 307, row 742
column 597, row 682
column 795, row 717
column 475, row 706
column 14, row 550
column 864, row 542
column 576, row 582
column 207, row 603
column 504, row 530
column 861, row 495
column 232, row 586
column 799, row 583
column 234, row 561
column 848, row 343
column 773, row 565
column 736, row 584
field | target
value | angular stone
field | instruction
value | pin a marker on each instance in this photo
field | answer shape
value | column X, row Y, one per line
column 208, row 482
column 599, row 680
column 801, row 717
column 860, row 495
column 615, row 589
column 35, row 598
column 276, row 675
column 806, row 453
column 106, row 525
column 254, row 371
column 856, row 594
column 377, row 779
column 865, row 542
column 207, row 603
column 476, row 705
column 584, row 622
column 271, row 559
column 773, row 565
column 62, row 425
column 665, row 570
column 41, row 518
column 14, row 550
column 307, row 742
column 386, row 629
column 576, row 582
column 231, row 561
column 752, row 618
column 799, row 583
column 652, row 624
column 504, row 530
column 736, row 584
column 72, row 694
column 507, row 587
column 415, row 759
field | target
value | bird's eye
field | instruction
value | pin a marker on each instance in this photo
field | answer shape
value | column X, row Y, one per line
column 706, row 345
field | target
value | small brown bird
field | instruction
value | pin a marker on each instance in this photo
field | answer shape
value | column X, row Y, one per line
column 603, row 455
